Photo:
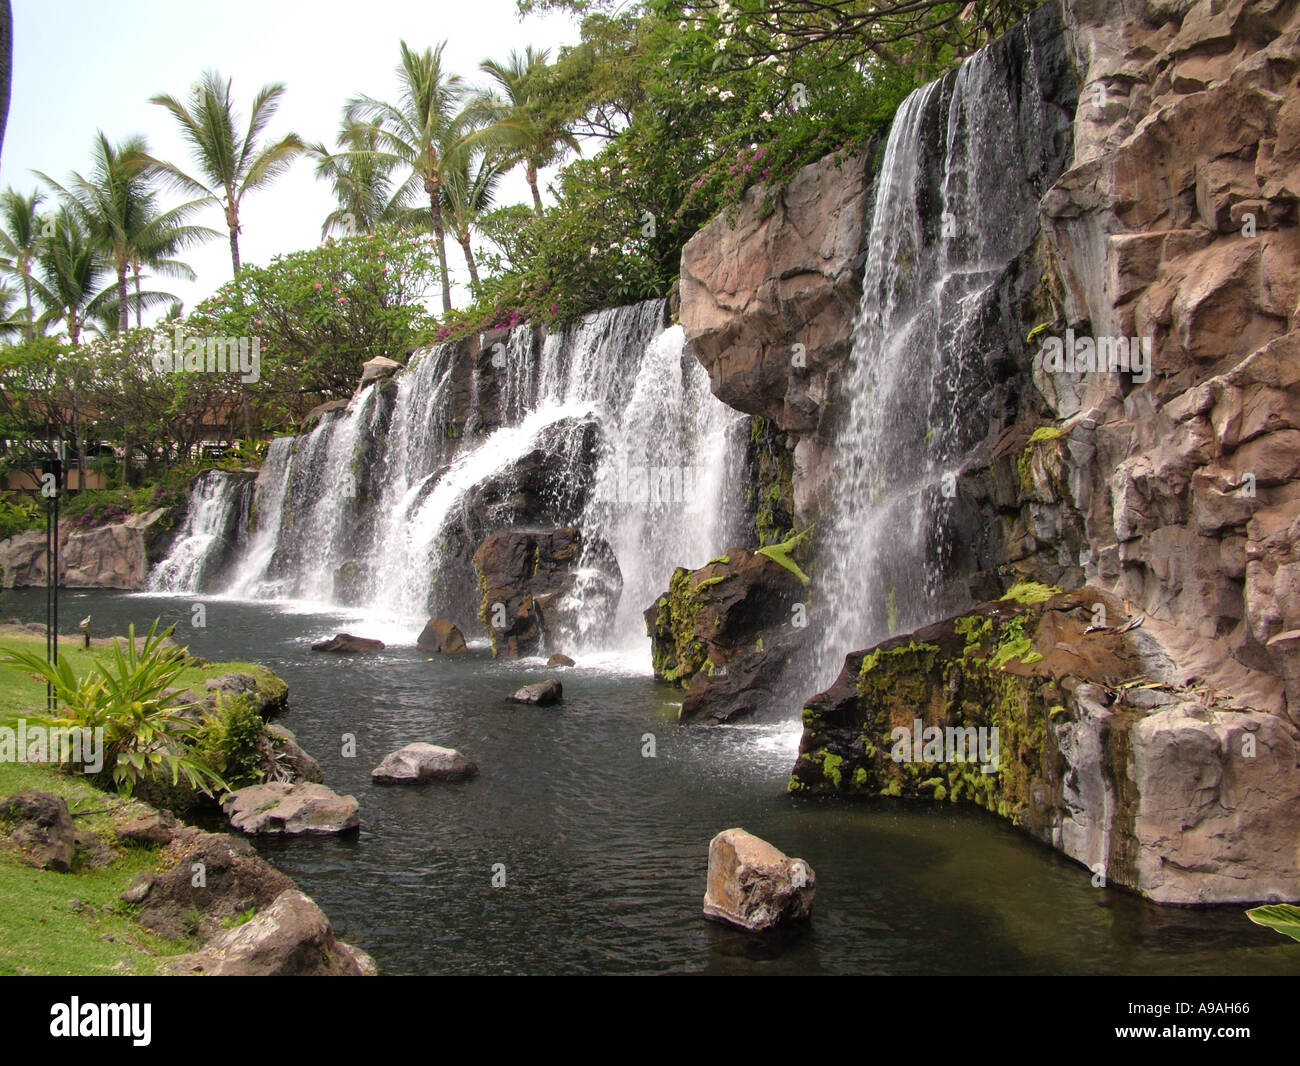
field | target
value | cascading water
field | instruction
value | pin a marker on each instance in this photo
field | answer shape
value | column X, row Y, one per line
column 217, row 512
column 379, row 506
column 956, row 204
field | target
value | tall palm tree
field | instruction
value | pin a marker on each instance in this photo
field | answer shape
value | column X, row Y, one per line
column 159, row 237
column 73, row 271
column 517, row 120
column 424, row 127
column 109, row 203
column 20, row 238
column 362, row 177
column 468, row 190
column 230, row 165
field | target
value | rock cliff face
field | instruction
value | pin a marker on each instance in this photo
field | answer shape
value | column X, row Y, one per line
column 118, row 555
column 1176, row 225
column 768, row 306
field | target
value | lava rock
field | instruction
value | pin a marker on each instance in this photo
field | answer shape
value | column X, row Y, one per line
column 42, row 829
column 542, row 693
column 442, row 637
column 422, row 762
column 290, row 938
column 347, row 644
column 212, row 876
column 153, row 827
column 754, row 885
column 304, row 807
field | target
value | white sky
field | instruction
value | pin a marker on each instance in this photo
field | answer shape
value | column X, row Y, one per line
column 82, row 66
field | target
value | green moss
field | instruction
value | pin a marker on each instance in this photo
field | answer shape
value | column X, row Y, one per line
column 891, row 611
column 831, row 768
column 860, row 777
column 781, row 554
column 1031, row 592
column 1043, row 433
column 724, row 559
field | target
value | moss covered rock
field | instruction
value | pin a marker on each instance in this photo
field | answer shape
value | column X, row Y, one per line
column 1088, row 737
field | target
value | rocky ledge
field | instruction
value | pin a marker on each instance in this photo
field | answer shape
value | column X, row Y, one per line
column 1070, row 718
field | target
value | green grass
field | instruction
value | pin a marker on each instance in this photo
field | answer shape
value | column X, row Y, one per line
column 74, row 923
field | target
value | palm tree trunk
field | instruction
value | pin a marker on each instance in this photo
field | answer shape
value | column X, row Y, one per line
column 440, row 242
column 123, row 309
column 27, row 291
column 531, row 174
column 234, row 254
column 463, row 238
column 137, row 295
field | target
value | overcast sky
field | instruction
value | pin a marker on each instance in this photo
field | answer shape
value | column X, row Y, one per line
column 82, row 66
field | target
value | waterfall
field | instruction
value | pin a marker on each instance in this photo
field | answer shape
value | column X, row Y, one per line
column 608, row 424
column 935, row 339
column 217, row 512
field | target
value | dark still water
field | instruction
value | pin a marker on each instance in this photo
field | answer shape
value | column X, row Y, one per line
column 605, row 851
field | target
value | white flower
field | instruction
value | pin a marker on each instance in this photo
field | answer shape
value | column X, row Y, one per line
column 726, row 94
column 766, row 116
column 780, row 68
column 594, row 250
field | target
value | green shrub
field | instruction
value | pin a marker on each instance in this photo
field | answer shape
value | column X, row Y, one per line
column 144, row 736
column 232, row 742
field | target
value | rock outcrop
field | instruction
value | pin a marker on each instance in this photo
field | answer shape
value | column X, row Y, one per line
column 1072, row 719
column 524, row 578
column 768, row 304
column 542, row 694
column 347, row 644
column 755, row 886
column 290, row 938
column 40, row 827
column 727, row 631
column 116, row 555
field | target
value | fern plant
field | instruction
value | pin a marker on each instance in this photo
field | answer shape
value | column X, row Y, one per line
column 144, row 736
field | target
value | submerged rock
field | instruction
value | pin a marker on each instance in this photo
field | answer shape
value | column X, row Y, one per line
column 422, row 762
column 542, row 693
column 1018, row 706
column 754, row 885
column 290, row 938
column 304, row 807
column 42, row 829
column 442, row 637
column 347, row 644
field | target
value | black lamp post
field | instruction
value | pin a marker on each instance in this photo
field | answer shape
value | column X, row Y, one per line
column 54, row 466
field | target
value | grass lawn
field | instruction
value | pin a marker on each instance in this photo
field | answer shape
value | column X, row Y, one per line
column 74, row 923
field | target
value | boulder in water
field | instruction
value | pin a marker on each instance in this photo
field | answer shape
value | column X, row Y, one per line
column 542, row 693
column 347, row 644
column 560, row 659
column 754, row 885
column 303, row 807
column 441, row 637
column 416, row 763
